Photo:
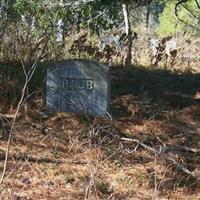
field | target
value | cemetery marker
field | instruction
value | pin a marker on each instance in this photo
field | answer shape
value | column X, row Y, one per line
column 78, row 85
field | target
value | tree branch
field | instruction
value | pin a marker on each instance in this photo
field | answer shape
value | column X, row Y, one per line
column 198, row 4
column 28, row 77
column 177, row 15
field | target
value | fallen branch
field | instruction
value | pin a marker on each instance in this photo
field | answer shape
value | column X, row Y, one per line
column 32, row 159
column 183, row 149
column 162, row 155
column 161, row 151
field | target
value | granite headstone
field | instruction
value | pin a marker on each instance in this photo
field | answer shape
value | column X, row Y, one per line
column 79, row 85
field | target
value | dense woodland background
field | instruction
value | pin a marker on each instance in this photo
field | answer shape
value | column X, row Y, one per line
column 148, row 148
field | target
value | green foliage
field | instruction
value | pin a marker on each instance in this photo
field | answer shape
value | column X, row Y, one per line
column 46, row 17
column 168, row 22
column 187, row 20
column 96, row 16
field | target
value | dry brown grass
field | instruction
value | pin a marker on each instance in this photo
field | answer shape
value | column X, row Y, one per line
column 65, row 156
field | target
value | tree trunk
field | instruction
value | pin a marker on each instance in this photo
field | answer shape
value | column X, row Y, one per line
column 59, row 26
column 147, row 14
column 128, row 44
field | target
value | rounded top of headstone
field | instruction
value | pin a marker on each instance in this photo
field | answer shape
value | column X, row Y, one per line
column 77, row 62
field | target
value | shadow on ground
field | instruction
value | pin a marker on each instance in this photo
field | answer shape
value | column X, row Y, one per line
column 166, row 108
column 173, row 91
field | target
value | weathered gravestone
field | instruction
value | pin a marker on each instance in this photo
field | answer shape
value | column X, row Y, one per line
column 78, row 86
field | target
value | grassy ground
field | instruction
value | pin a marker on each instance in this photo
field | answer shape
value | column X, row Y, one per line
column 66, row 156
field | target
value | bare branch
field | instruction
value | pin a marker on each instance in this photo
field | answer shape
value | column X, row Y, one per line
column 28, row 77
column 177, row 15
column 190, row 11
column 178, row 165
column 198, row 4
column 161, row 153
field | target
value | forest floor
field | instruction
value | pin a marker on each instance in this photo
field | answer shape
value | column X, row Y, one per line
column 66, row 156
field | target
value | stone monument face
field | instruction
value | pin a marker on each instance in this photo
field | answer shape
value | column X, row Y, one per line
column 81, row 86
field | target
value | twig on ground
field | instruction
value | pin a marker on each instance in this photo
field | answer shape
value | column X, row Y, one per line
column 162, row 155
